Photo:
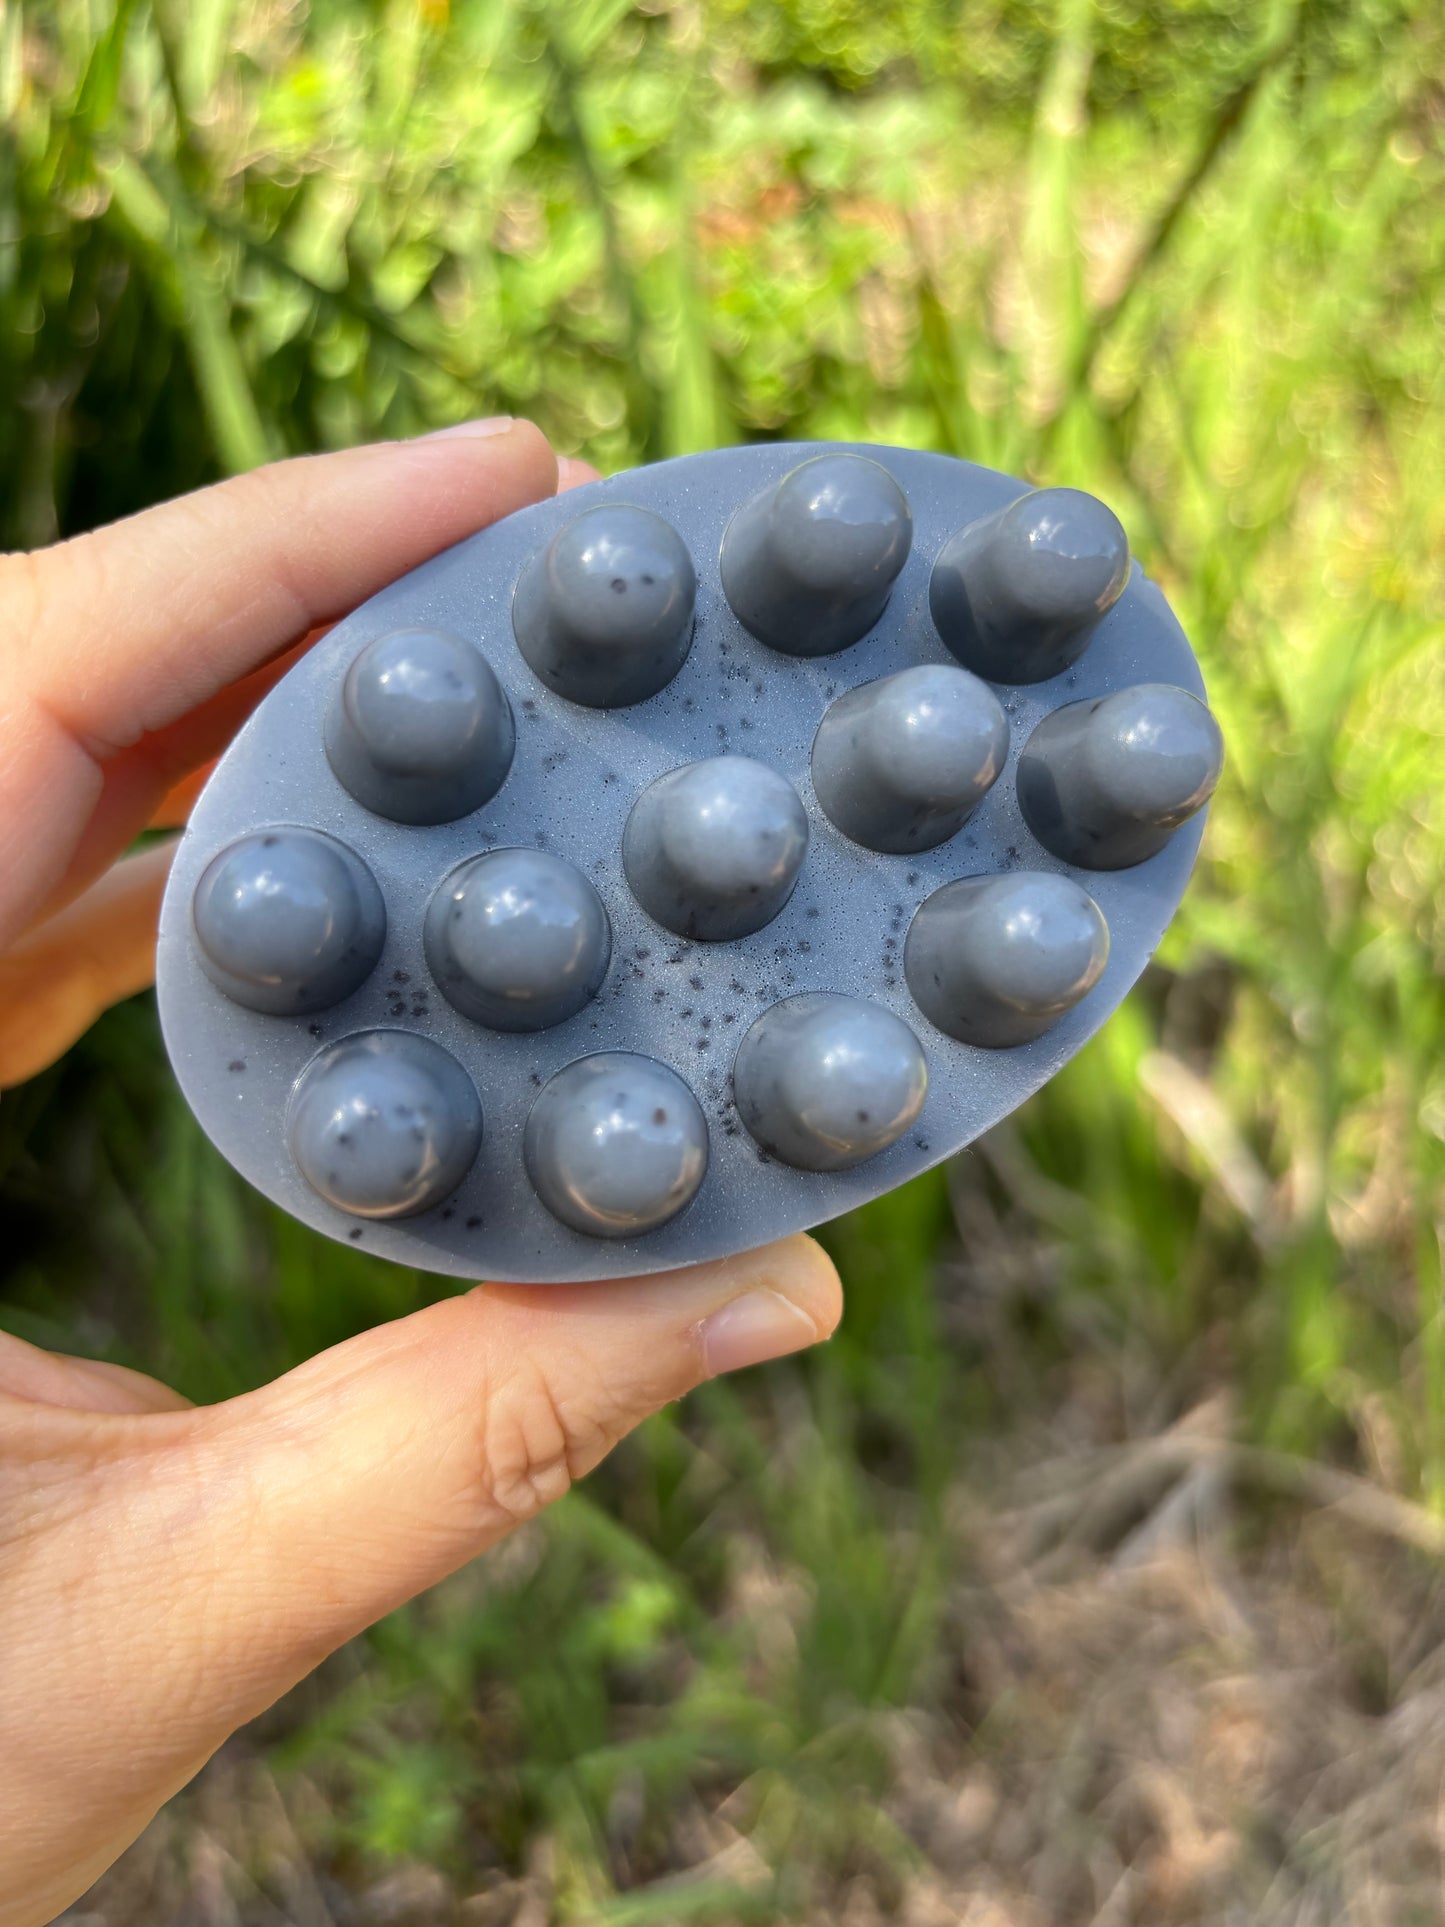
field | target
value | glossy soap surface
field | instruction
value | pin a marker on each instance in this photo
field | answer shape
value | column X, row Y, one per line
column 535, row 1020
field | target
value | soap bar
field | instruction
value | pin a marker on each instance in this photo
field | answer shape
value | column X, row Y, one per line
column 685, row 860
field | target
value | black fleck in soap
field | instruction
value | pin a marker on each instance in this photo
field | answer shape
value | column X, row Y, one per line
column 685, row 860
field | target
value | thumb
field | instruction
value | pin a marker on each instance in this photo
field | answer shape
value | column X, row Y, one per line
column 185, row 1568
column 373, row 1471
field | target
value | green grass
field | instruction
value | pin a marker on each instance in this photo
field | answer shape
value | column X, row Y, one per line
column 1181, row 257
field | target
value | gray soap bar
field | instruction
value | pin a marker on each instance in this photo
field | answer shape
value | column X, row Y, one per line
column 618, row 1005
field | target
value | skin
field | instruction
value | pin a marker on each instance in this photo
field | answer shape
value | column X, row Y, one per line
column 167, row 1571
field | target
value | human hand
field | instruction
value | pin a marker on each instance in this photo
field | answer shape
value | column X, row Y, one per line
column 166, row 1572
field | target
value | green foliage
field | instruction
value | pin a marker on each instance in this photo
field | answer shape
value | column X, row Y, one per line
column 1183, row 256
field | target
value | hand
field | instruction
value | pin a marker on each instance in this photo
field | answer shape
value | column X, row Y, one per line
column 166, row 1572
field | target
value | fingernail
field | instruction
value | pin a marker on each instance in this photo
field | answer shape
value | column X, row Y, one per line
column 489, row 425
column 758, row 1326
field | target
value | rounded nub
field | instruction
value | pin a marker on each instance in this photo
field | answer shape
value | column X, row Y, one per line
column 384, row 1124
column 1106, row 783
column 996, row 960
column 1067, row 553
column 616, row 1145
column 823, row 1080
column 420, row 730
column 901, row 764
column 517, row 939
column 713, row 850
column 1017, row 596
column 604, row 614
column 807, row 565
column 287, row 920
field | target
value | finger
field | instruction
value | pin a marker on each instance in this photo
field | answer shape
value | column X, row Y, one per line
column 61, row 975
column 259, row 1535
column 397, row 1457
column 572, row 474
column 119, row 634
column 79, row 1384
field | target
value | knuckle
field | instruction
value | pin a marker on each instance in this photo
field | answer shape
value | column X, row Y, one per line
column 535, row 1442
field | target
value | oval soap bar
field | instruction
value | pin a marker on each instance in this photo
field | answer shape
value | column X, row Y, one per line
column 685, row 860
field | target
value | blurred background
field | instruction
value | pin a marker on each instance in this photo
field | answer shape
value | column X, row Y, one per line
column 1094, row 1573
